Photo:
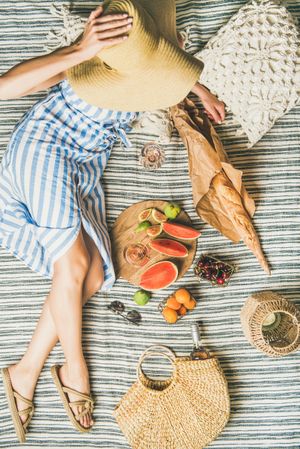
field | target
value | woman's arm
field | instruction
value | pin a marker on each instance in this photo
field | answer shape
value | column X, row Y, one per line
column 49, row 83
column 44, row 71
column 28, row 76
column 214, row 108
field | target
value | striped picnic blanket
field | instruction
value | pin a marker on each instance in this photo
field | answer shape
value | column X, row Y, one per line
column 265, row 393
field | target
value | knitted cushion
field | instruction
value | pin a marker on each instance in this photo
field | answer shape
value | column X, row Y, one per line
column 253, row 65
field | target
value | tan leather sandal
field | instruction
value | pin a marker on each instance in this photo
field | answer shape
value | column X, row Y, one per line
column 20, row 427
column 86, row 401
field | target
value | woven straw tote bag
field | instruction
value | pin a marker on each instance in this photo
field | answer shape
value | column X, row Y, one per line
column 186, row 411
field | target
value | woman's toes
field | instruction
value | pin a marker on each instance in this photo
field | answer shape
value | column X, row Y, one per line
column 90, row 420
column 83, row 421
column 87, row 421
column 77, row 410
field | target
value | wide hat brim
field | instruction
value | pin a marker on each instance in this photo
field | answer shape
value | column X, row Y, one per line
column 148, row 71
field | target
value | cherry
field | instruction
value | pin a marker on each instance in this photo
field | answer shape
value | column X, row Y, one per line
column 220, row 281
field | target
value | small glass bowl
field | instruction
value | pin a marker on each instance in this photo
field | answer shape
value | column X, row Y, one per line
column 214, row 270
column 152, row 156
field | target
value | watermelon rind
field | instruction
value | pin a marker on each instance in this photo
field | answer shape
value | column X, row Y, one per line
column 152, row 278
column 180, row 231
column 169, row 247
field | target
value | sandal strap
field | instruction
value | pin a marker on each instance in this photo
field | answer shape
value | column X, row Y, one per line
column 25, row 411
column 19, row 396
column 83, row 413
column 25, row 424
column 86, row 401
column 88, row 406
column 83, row 396
column 29, row 410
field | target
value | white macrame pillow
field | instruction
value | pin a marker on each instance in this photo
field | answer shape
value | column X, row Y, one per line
column 253, row 65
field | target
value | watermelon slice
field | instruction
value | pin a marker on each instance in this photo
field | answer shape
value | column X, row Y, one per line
column 158, row 276
column 169, row 247
column 180, row 231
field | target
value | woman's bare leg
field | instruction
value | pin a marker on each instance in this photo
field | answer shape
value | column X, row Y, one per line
column 65, row 303
column 26, row 372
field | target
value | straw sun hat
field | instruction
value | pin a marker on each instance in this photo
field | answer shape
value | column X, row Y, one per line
column 147, row 71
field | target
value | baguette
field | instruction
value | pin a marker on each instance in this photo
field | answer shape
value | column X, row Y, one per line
column 232, row 203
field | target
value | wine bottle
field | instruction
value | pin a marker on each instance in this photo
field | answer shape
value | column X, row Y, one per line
column 198, row 352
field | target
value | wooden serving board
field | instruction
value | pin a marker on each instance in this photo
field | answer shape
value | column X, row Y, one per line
column 123, row 233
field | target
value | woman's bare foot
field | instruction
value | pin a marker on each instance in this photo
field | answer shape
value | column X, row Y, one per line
column 23, row 382
column 78, row 380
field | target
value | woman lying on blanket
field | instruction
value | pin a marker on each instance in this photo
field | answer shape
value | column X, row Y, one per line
column 52, row 210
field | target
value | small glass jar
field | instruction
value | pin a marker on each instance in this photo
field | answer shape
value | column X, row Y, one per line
column 214, row 270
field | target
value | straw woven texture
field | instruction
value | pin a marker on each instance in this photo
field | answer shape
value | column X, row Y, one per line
column 187, row 411
column 264, row 392
column 113, row 89
column 281, row 340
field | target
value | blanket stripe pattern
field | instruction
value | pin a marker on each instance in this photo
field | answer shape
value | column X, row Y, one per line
column 265, row 393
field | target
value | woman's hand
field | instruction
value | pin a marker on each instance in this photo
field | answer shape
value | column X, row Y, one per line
column 44, row 71
column 101, row 32
column 214, row 108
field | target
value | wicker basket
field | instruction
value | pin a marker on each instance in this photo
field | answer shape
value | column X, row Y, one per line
column 214, row 265
column 278, row 338
column 186, row 411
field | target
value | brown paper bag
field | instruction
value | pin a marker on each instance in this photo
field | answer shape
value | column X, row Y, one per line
column 219, row 195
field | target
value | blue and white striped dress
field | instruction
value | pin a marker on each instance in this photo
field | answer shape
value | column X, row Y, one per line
column 50, row 179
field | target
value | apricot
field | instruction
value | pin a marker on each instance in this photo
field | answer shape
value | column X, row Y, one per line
column 172, row 303
column 182, row 295
column 191, row 304
column 182, row 311
column 170, row 315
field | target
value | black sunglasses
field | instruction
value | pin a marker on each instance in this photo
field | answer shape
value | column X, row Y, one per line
column 133, row 316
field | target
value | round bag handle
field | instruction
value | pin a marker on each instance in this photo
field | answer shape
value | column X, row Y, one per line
column 152, row 350
column 164, row 350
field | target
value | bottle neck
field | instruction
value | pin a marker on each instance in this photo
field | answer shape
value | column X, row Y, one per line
column 199, row 352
